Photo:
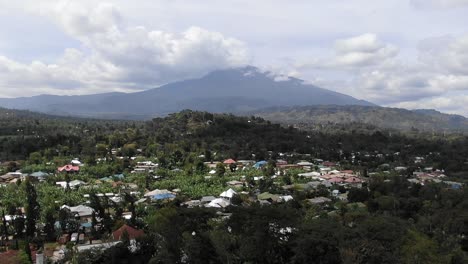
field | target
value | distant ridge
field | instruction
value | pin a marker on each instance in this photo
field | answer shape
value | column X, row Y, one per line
column 230, row 90
column 383, row 117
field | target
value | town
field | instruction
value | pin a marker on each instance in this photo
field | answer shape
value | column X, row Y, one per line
column 197, row 187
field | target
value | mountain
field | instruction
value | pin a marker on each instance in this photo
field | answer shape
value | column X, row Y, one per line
column 230, row 90
column 383, row 117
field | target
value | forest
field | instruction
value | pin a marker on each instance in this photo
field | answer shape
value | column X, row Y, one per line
column 386, row 220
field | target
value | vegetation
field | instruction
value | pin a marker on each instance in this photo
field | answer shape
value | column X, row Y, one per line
column 386, row 220
column 371, row 116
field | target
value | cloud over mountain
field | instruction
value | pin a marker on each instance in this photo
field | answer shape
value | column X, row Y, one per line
column 120, row 57
column 355, row 47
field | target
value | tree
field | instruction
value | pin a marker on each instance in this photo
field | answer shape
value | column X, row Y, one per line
column 18, row 224
column 232, row 167
column 94, row 233
column 4, row 226
column 419, row 249
column 49, row 227
column 32, row 209
column 358, row 195
column 35, row 158
column 220, row 169
column 27, row 249
column 130, row 200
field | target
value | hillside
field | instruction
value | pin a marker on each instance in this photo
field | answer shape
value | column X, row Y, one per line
column 228, row 91
column 383, row 117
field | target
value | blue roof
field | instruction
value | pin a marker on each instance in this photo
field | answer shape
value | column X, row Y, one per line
column 86, row 225
column 163, row 196
column 119, row 176
column 260, row 164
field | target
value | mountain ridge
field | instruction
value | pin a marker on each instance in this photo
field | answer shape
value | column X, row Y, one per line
column 229, row 90
column 383, row 117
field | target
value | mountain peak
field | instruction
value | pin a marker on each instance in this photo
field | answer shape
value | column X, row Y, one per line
column 227, row 90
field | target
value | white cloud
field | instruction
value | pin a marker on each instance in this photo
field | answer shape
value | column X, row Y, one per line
column 114, row 56
column 109, row 50
column 363, row 50
column 455, row 104
column 355, row 52
column 370, row 69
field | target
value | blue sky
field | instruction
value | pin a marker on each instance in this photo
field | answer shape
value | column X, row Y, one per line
column 402, row 53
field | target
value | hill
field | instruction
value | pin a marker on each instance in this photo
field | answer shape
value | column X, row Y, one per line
column 381, row 117
column 231, row 90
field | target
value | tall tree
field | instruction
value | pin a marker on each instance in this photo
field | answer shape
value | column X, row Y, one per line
column 4, row 225
column 32, row 208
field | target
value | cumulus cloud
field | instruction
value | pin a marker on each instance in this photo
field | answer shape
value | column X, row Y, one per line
column 353, row 53
column 363, row 50
column 372, row 70
column 430, row 82
column 118, row 57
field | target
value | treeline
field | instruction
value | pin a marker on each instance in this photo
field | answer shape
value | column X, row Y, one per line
column 182, row 137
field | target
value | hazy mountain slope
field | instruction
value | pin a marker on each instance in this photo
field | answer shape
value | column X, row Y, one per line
column 383, row 117
column 231, row 90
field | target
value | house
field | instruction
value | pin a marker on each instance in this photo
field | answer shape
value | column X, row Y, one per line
column 133, row 233
column 218, row 203
column 76, row 162
column 260, row 164
column 454, row 185
column 400, row 168
column 10, row 176
column 319, row 200
column 211, row 165
column 160, row 194
column 246, row 162
column 266, row 196
column 84, row 212
column 237, row 184
column 229, row 162
column 192, row 203
column 312, row 174
column 336, row 180
column 353, row 180
column 101, row 246
column 69, row 169
column 39, row 175
column 281, row 162
column 305, row 163
column 207, row 199
column 329, row 164
column 144, row 167
column 76, row 183
column 228, row 194
column 286, row 198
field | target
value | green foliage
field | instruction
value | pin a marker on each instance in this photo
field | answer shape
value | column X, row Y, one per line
column 220, row 169
column 419, row 249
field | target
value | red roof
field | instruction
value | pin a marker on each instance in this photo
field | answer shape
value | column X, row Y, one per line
column 69, row 168
column 328, row 164
column 132, row 232
column 336, row 180
column 353, row 179
column 229, row 161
